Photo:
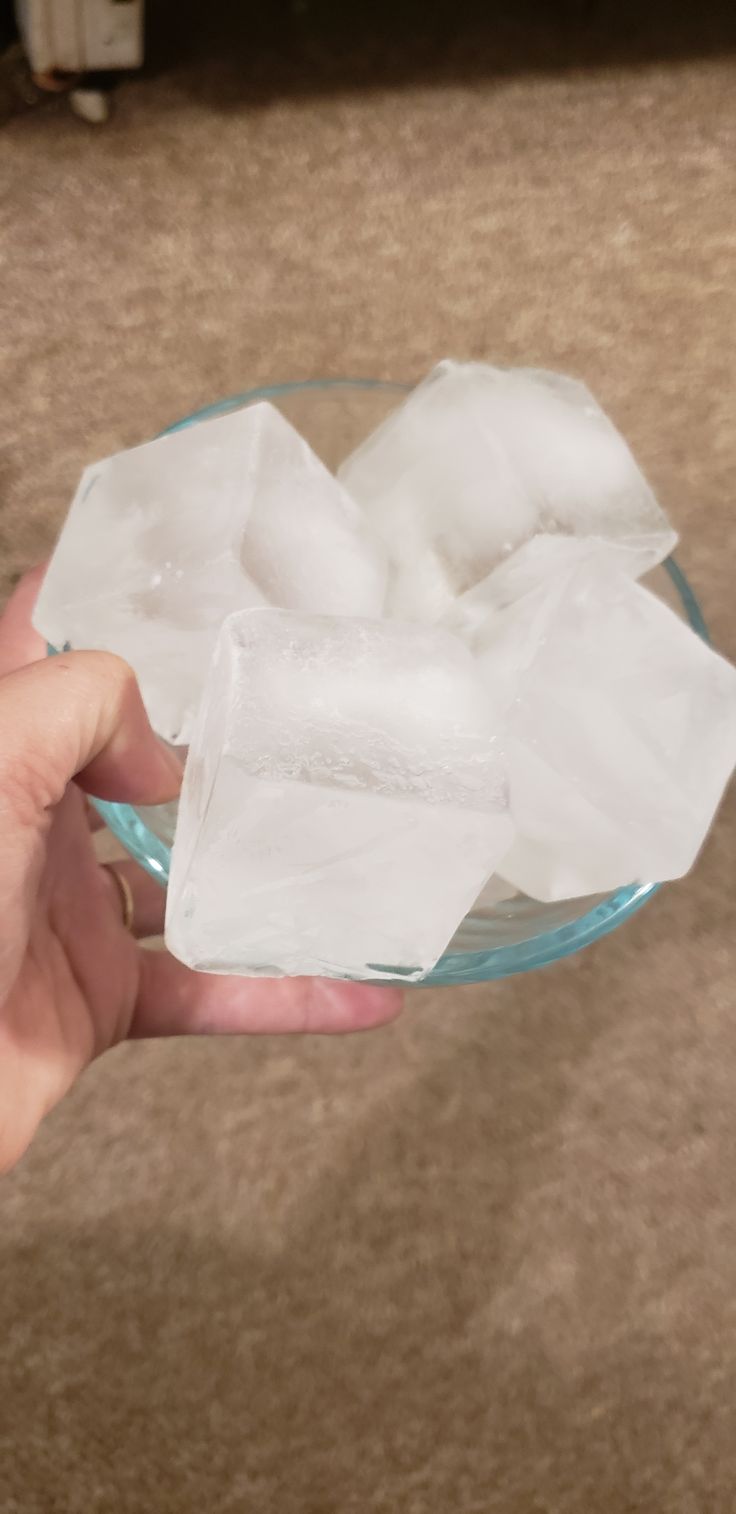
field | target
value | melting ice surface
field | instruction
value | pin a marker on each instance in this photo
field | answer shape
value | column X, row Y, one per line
column 163, row 541
column 479, row 460
column 620, row 732
column 344, row 800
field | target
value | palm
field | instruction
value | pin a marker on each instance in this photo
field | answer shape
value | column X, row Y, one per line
column 76, row 984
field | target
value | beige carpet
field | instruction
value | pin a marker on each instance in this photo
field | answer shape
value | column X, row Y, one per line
column 485, row 1260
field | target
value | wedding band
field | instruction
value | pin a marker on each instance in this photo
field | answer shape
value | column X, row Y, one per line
column 125, row 891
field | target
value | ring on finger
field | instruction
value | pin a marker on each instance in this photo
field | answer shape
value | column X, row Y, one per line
column 125, row 893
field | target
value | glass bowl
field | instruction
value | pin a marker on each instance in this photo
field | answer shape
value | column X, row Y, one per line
column 501, row 935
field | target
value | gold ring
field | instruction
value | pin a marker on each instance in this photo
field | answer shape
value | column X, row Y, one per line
column 127, row 903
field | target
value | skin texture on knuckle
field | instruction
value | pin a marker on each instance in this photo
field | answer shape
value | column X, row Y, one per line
column 28, row 789
column 80, row 715
column 29, row 778
column 117, row 718
column 104, row 690
column 124, row 758
column 57, row 715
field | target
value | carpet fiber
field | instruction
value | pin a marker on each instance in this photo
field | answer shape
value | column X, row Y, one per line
column 484, row 1260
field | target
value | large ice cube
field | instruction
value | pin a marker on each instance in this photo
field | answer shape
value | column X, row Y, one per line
column 621, row 734
column 165, row 540
column 514, row 608
column 495, row 892
column 477, row 461
column 343, row 803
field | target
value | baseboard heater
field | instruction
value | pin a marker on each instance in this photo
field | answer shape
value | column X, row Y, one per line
column 79, row 36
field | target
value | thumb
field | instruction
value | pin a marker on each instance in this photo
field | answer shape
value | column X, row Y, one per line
column 80, row 715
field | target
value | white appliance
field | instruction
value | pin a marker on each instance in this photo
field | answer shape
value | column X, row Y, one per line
column 78, row 36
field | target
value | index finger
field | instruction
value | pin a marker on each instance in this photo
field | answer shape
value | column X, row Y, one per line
column 19, row 643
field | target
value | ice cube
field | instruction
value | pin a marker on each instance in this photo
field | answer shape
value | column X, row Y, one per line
column 165, row 540
column 495, row 892
column 477, row 461
column 621, row 734
column 512, row 610
column 441, row 488
column 343, row 804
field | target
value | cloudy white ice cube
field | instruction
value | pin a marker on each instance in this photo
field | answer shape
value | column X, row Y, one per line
column 164, row 540
column 620, row 734
column 479, row 460
column 344, row 800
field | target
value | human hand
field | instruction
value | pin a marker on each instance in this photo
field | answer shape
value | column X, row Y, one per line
column 73, row 981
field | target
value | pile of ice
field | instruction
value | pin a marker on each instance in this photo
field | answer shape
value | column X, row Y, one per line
column 431, row 676
column 164, row 541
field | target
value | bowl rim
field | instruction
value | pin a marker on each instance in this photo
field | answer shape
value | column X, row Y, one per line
column 454, row 967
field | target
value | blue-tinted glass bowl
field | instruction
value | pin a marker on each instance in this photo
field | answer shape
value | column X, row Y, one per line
column 512, row 935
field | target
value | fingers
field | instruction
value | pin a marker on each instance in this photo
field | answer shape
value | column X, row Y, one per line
column 149, row 898
column 91, row 723
column 19, row 643
column 80, row 715
column 174, row 1001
